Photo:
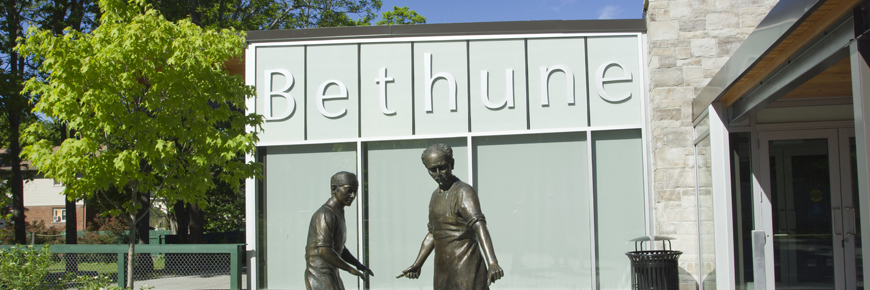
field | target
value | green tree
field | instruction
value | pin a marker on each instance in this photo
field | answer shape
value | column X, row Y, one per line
column 270, row 14
column 145, row 98
column 401, row 15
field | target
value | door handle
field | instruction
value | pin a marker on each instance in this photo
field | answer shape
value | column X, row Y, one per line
column 851, row 220
column 838, row 215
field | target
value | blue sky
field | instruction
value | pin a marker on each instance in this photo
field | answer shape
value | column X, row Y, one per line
column 453, row 11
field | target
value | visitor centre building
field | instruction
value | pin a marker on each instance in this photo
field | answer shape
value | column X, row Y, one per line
column 745, row 143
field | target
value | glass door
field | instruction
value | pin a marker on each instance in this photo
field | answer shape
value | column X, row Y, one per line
column 807, row 209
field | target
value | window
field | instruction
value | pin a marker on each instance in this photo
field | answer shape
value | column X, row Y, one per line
column 59, row 215
column 57, row 182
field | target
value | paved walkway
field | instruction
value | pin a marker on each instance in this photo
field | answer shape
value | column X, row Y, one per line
column 191, row 282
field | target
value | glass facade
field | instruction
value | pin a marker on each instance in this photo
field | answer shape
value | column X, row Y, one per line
column 549, row 206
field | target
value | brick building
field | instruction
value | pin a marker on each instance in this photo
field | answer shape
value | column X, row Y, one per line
column 44, row 201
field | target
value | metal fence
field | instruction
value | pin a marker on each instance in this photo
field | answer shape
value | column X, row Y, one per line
column 159, row 266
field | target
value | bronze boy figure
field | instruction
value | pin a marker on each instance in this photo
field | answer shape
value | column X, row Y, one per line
column 326, row 238
column 456, row 225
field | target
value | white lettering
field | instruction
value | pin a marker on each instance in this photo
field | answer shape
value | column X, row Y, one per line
column 342, row 94
column 383, row 80
column 509, row 90
column 267, row 106
column 600, row 80
column 545, row 83
column 430, row 81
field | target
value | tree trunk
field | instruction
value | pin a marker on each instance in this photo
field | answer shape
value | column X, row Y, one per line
column 182, row 217
column 131, row 250
column 196, row 224
column 194, row 12
column 145, row 218
column 17, row 180
column 71, row 236
column 71, row 260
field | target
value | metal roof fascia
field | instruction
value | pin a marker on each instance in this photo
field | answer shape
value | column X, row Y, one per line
column 776, row 26
column 819, row 55
column 449, row 29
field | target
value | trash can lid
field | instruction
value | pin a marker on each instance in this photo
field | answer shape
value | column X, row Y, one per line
column 654, row 238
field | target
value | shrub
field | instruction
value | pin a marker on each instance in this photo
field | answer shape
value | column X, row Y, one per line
column 44, row 234
column 106, row 230
column 24, row 267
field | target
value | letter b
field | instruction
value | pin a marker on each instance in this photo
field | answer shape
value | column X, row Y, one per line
column 267, row 104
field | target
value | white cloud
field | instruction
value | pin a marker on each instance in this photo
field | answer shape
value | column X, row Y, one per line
column 561, row 3
column 608, row 12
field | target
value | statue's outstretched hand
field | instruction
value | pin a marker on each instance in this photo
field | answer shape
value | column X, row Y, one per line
column 495, row 273
column 365, row 270
column 412, row 272
column 358, row 274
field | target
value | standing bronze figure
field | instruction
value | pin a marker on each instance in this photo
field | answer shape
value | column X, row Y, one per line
column 326, row 237
column 456, row 225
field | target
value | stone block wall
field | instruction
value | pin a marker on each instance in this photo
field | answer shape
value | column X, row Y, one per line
column 688, row 42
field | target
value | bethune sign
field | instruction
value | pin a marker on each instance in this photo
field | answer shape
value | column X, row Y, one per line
column 347, row 90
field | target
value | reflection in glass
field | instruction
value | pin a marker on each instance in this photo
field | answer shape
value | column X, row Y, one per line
column 801, row 200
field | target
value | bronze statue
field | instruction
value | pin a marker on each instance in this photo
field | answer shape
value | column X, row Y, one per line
column 326, row 238
column 456, row 225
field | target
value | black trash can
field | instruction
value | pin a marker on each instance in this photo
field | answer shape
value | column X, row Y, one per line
column 654, row 269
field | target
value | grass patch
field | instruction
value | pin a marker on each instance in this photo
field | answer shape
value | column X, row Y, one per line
column 105, row 268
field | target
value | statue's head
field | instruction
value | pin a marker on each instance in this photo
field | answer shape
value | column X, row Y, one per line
column 344, row 187
column 438, row 159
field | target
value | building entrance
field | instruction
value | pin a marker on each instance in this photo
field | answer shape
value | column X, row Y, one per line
column 809, row 209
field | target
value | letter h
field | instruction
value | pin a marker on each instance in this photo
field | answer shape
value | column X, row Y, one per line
column 430, row 81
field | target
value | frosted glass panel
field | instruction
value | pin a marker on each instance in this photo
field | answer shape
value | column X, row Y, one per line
column 399, row 188
column 297, row 184
column 618, row 166
column 534, row 191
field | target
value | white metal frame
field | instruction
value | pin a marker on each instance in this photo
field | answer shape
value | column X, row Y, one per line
column 722, row 211
column 849, row 246
column 861, row 101
column 720, row 165
column 250, row 186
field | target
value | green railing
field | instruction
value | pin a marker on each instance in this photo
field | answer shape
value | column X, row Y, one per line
column 164, row 261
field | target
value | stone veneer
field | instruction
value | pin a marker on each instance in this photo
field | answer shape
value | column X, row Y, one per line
column 688, row 42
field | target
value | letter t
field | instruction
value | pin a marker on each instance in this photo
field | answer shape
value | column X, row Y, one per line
column 383, row 80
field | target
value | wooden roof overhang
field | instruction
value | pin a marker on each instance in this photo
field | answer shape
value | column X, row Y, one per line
column 789, row 32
